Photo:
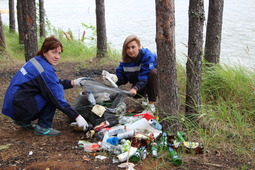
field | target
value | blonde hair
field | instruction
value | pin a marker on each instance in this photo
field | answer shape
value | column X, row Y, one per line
column 125, row 57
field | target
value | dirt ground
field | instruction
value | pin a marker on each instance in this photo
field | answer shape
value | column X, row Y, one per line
column 28, row 151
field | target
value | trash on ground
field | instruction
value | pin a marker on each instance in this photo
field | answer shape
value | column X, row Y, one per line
column 101, row 157
column 129, row 138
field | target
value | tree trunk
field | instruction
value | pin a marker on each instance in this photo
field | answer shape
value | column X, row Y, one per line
column 213, row 32
column 101, row 29
column 11, row 16
column 20, row 21
column 166, row 53
column 2, row 40
column 42, row 21
column 194, row 62
column 30, row 38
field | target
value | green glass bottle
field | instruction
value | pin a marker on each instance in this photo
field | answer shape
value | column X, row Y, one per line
column 174, row 156
column 181, row 136
column 163, row 142
column 154, row 149
column 137, row 156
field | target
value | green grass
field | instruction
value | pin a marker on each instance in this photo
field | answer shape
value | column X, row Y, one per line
column 227, row 118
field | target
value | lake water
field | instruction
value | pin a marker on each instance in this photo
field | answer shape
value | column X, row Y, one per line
column 125, row 17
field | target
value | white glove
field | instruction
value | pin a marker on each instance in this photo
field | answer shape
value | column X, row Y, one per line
column 109, row 79
column 79, row 81
column 82, row 122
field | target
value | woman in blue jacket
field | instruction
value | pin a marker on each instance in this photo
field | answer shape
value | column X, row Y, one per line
column 139, row 67
column 35, row 92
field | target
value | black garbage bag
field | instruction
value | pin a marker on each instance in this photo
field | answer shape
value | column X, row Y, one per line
column 109, row 97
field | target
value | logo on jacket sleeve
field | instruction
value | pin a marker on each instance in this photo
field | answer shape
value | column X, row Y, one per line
column 23, row 71
column 151, row 66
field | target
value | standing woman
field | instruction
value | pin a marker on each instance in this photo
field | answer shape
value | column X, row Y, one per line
column 35, row 92
column 139, row 67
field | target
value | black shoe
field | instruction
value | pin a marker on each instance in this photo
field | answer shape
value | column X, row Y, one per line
column 27, row 126
column 46, row 131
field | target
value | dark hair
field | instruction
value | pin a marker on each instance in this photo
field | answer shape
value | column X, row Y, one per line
column 49, row 43
column 125, row 57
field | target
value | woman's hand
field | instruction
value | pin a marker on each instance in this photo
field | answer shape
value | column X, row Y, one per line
column 133, row 91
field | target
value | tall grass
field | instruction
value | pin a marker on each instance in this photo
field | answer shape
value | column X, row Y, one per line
column 227, row 114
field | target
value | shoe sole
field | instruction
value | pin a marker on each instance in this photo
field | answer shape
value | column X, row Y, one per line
column 27, row 127
column 38, row 133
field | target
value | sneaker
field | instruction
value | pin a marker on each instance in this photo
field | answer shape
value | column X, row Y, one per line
column 45, row 131
column 150, row 109
column 27, row 126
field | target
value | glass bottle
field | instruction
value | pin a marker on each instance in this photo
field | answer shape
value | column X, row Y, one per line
column 154, row 149
column 181, row 136
column 163, row 142
column 174, row 156
column 138, row 155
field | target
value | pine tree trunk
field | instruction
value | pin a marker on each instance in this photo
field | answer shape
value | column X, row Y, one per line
column 2, row 40
column 20, row 21
column 30, row 34
column 213, row 32
column 194, row 62
column 101, row 29
column 11, row 16
column 42, row 14
column 166, row 53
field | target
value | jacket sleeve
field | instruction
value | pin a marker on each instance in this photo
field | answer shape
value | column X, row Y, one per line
column 122, row 79
column 66, row 84
column 54, row 92
column 148, row 63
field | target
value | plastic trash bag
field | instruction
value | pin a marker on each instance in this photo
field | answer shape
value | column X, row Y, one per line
column 110, row 97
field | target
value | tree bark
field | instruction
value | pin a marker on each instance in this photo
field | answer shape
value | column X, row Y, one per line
column 2, row 40
column 11, row 16
column 166, row 53
column 42, row 21
column 194, row 62
column 101, row 29
column 30, row 33
column 213, row 32
column 20, row 21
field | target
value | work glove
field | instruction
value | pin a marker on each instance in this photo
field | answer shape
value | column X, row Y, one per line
column 82, row 122
column 79, row 81
column 109, row 79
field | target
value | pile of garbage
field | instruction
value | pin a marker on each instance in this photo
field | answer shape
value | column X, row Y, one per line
column 128, row 138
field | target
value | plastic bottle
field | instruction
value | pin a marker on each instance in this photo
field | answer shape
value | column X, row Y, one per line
column 174, row 156
column 163, row 142
column 91, row 98
column 117, row 129
column 155, row 124
column 154, row 149
column 127, row 134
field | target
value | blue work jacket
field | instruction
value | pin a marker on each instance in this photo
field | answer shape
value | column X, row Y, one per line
column 137, row 72
column 30, row 89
